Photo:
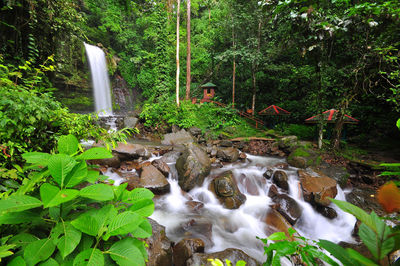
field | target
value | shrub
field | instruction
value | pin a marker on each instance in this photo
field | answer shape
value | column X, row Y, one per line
column 62, row 215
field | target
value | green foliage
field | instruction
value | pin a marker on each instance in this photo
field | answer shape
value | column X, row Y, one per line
column 218, row 262
column 294, row 245
column 205, row 116
column 67, row 218
column 305, row 132
column 376, row 235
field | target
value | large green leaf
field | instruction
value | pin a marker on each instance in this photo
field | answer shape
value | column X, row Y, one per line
column 89, row 257
column 29, row 183
column 144, row 207
column 49, row 262
column 124, row 223
column 39, row 250
column 356, row 211
column 140, row 193
column 5, row 250
column 92, row 176
column 338, row 252
column 100, row 192
column 68, row 144
column 23, row 239
column 39, row 158
column 53, row 196
column 94, row 222
column 94, row 154
column 19, row 217
column 77, row 175
column 66, row 237
column 360, row 258
column 125, row 252
column 144, row 230
column 17, row 261
column 277, row 236
column 60, row 165
column 369, row 238
column 17, row 203
column 118, row 190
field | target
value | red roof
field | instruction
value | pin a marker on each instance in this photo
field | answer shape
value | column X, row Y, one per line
column 273, row 110
column 330, row 117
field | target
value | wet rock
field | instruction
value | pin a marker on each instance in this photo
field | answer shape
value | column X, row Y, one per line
column 175, row 129
column 130, row 122
column 273, row 191
column 159, row 248
column 288, row 207
column 298, row 162
column 280, row 178
column 113, row 162
column 328, row 212
column 192, row 166
column 302, row 157
column 162, row 167
column 225, row 143
column 317, row 190
column 213, row 151
column 226, row 190
column 269, row 173
column 171, row 157
column 195, row 131
column 242, row 156
column 198, row 228
column 283, row 166
column 131, row 151
column 185, row 249
column 276, row 222
column 231, row 254
column 129, row 165
column 154, row 180
column 177, row 138
column 194, row 205
column 228, row 154
column 287, row 142
column 339, row 173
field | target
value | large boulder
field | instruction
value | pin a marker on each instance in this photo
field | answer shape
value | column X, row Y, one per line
column 159, row 247
column 287, row 142
column 302, row 157
column 192, row 166
column 225, row 189
column 231, row 254
column 177, row 138
column 162, row 166
column 229, row 154
column 317, row 190
column 130, row 122
column 129, row 151
column 276, row 222
column 185, row 249
column 288, row 207
column 280, row 178
column 154, row 180
column 339, row 173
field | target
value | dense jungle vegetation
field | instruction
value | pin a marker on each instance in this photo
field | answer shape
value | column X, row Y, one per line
column 306, row 56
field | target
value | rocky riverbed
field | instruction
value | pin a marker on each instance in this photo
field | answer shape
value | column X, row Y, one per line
column 189, row 174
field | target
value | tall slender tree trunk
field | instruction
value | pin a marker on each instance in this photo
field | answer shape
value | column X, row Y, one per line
column 337, row 131
column 177, row 52
column 188, row 74
column 234, row 64
column 254, row 70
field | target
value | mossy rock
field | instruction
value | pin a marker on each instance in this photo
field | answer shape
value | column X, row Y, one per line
column 303, row 158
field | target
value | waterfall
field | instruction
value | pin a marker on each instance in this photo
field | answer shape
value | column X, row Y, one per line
column 100, row 80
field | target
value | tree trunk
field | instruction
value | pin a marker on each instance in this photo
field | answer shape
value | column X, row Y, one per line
column 188, row 76
column 177, row 52
column 234, row 64
column 254, row 70
column 320, row 134
column 337, row 131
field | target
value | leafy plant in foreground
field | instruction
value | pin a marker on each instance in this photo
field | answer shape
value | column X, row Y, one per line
column 71, row 218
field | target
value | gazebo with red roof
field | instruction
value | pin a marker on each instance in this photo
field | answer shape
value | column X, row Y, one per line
column 330, row 117
column 273, row 110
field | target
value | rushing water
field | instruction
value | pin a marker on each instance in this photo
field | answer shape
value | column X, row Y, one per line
column 221, row 228
column 100, row 80
column 239, row 228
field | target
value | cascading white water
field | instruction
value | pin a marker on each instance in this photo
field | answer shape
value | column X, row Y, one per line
column 239, row 228
column 100, row 80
